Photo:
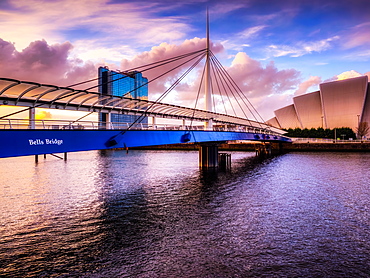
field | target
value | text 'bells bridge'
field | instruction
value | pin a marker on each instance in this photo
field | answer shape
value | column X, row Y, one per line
column 30, row 136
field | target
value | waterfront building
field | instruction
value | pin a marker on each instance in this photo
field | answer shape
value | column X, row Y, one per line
column 343, row 103
column 122, row 84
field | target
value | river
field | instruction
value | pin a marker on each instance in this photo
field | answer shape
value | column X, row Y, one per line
column 156, row 214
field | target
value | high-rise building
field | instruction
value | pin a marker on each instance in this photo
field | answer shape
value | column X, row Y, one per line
column 127, row 84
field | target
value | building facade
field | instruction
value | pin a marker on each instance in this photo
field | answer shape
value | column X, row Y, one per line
column 343, row 103
column 122, row 84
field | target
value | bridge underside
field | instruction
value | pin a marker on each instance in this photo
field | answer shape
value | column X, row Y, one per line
column 33, row 142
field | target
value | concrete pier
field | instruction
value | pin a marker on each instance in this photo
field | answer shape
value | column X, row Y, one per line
column 208, row 155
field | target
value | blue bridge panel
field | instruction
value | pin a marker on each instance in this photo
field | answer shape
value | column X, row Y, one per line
column 31, row 142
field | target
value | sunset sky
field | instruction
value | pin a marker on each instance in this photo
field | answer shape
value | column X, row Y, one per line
column 274, row 50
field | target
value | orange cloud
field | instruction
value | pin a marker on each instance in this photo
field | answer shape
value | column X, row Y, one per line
column 43, row 115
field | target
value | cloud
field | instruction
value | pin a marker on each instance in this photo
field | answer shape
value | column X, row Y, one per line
column 166, row 51
column 251, row 32
column 43, row 63
column 348, row 74
column 101, row 22
column 305, row 85
column 302, row 48
column 43, row 115
column 256, row 79
column 263, row 85
column 358, row 36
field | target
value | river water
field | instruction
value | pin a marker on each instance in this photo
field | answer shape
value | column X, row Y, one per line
column 156, row 214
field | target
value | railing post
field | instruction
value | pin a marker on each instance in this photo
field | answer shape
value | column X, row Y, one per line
column 32, row 117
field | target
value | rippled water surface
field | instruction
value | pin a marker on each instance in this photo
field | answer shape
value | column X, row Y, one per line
column 156, row 214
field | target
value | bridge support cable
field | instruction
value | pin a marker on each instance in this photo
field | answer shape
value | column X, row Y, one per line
column 75, row 92
column 226, row 79
column 197, row 98
column 240, row 93
column 217, row 77
column 79, row 119
column 116, row 139
column 218, row 90
column 154, row 66
column 201, row 55
column 142, row 68
column 229, row 91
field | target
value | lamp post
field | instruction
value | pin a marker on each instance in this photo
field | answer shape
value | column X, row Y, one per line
column 358, row 126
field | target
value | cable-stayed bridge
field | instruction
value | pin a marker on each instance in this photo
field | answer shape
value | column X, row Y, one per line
column 30, row 136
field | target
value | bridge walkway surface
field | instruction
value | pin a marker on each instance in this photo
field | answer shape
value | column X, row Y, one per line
column 17, row 139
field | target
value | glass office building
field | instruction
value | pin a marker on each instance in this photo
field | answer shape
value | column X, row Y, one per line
column 127, row 84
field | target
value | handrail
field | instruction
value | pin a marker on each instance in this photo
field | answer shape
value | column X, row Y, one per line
column 96, row 125
column 327, row 140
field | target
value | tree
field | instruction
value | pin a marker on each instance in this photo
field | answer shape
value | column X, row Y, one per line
column 343, row 132
column 363, row 129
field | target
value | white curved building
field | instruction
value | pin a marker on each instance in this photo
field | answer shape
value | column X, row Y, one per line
column 342, row 103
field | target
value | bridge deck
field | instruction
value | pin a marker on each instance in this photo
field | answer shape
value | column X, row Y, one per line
column 20, row 142
column 20, row 137
column 30, row 94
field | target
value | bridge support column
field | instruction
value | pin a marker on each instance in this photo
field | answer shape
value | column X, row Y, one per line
column 209, row 124
column 208, row 155
column 224, row 161
column 268, row 149
column 263, row 150
column 32, row 118
column 105, row 121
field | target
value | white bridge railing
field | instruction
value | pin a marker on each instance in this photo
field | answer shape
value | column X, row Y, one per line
column 297, row 140
column 95, row 125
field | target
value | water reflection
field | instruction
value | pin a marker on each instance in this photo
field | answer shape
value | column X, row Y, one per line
column 156, row 214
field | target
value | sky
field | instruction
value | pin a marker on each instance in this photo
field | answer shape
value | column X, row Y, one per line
column 274, row 50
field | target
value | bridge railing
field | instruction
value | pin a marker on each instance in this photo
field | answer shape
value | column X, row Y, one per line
column 297, row 140
column 96, row 125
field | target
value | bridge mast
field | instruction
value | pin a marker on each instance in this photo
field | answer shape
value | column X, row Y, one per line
column 207, row 83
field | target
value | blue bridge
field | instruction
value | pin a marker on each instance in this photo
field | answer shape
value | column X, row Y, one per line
column 31, row 136
column 20, row 137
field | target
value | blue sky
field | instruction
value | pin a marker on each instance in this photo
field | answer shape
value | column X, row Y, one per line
column 274, row 49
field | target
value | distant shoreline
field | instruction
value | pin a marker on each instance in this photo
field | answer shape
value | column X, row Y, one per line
column 287, row 147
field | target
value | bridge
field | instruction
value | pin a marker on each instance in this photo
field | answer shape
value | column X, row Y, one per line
column 31, row 136
column 20, row 137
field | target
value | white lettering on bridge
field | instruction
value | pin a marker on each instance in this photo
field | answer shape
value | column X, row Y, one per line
column 40, row 142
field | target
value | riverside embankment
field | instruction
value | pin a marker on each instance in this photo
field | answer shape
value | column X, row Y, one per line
column 308, row 146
